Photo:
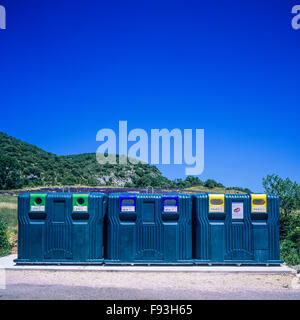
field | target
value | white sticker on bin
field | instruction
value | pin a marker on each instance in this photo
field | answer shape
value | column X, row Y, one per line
column 170, row 209
column 37, row 208
column 258, row 209
column 237, row 210
column 80, row 208
column 216, row 209
column 127, row 208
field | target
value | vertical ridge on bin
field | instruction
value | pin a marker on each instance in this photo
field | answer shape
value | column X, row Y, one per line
column 273, row 224
column 93, row 222
column 201, row 228
column 238, row 233
column 58, row 244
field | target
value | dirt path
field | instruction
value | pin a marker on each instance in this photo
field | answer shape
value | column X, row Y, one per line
column 22, row 284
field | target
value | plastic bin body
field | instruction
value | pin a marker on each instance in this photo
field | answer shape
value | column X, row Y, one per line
column 237, row 235
column 154, row 229
column 66, row 232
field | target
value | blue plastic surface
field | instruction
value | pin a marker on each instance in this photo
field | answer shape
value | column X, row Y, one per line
column 149, row 229
column 237, row 235
column 59, row 235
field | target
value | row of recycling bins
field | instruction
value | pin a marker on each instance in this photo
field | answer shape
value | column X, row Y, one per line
column 93, row 228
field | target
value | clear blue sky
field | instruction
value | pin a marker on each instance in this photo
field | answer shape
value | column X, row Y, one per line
column 69, row 68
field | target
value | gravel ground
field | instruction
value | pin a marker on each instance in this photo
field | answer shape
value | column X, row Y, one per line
column 22, row 284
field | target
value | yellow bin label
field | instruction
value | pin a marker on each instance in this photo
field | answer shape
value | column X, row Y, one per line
column 258, row 203
column 216, row 203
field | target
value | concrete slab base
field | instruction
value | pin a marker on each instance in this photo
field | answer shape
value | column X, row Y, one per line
column 7, row 263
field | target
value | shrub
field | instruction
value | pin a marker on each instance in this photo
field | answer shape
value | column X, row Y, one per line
column 128, row 185
column 289, row 252
column 4, row 244
column 144, row 181
column 287, row 191
column 290, row 238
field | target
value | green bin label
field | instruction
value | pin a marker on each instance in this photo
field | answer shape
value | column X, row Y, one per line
column 80, row 202
column 38, row 202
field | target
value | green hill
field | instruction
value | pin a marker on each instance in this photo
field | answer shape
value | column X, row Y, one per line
column 25, row 165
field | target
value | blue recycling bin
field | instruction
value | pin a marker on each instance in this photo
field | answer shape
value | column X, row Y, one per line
column 61, row 228
column 236, row 229
column 148, row 229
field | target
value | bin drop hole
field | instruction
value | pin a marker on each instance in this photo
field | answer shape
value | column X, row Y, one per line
column 80, row 201
column 259, row 201
column 216, row 201
column 38, row 200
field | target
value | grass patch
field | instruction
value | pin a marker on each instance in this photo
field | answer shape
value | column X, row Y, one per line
column 9, row 213
column 8, row 199
column 212, row 190
column 8, row 205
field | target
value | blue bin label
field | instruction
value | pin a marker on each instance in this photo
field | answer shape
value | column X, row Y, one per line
column 170, row 204
column 127, row 204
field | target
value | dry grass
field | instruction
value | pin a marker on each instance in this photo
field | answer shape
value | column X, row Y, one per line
column 214, row 190
column 8, row 205
column 13, row 241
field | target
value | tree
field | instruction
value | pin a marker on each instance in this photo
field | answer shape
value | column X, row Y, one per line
column 287, row 191
column 144, row 182
column 191, row 181
column 210, row 183
column 9, row 173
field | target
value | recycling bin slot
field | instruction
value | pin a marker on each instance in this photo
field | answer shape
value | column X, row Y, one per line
column 80, row 216
column 37, row 215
